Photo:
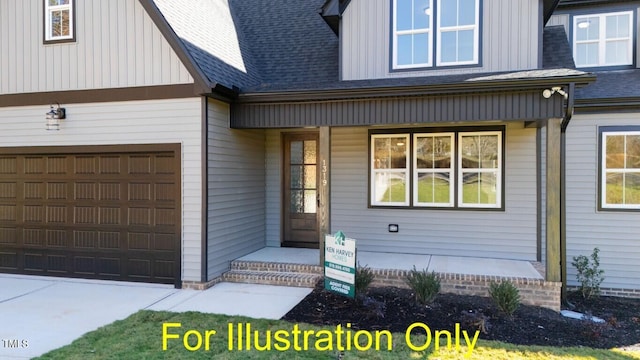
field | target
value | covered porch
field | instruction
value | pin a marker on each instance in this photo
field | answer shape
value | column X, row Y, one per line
column 459, row 275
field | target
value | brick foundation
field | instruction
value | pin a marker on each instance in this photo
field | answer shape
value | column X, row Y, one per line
column 535, row 292
column 627, row 293
column 196, row 285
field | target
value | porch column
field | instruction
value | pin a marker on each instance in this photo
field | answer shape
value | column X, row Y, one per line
column 324, row 195
column 553, row 182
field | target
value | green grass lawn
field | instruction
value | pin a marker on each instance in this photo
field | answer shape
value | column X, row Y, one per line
column 140, row 336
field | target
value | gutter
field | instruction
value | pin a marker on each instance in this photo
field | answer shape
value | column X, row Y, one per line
column 371, row 91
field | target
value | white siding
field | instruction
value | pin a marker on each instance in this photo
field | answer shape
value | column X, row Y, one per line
column 132, row 122
column 509, row 39
column 117, row 45
column 617, row 234
column 510, row 234
column 236, row 190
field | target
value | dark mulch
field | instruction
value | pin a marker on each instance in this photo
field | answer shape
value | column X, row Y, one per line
column 394, row 309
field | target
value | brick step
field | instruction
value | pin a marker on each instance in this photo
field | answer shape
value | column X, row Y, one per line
column 282, row 278
column 275, row 267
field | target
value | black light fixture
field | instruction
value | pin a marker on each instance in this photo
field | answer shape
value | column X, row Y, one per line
column 54, row 116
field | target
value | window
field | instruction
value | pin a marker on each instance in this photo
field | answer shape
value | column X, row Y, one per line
column 620, row 168
column 603, row 39
column 58, row 20
column 390, row 169
column 447, row 169
column 455, row 39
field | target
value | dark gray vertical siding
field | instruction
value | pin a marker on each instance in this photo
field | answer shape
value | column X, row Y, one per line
column 398, row 110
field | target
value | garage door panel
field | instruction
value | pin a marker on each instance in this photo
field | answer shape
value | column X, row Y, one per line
column 8, row 165
column 9, row 260
column 8, row 190
column 34, row 190
column 8, row 213
column 8, row 236
column 112, row 215
column 33, row 237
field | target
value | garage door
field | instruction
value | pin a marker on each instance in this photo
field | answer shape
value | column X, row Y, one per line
column 99, row 212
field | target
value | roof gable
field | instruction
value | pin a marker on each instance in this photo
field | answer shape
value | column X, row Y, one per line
column 208, row 39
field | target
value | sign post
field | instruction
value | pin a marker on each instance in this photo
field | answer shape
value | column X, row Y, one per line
column 340, row 264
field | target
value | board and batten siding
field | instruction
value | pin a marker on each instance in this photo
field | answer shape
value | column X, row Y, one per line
column 236, row 190
column 117, row 45
column 615, row 233
column 509, row 234
column 509, row 40
column 131, row 122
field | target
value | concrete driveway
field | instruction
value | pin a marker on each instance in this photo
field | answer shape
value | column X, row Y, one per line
column 39, row 314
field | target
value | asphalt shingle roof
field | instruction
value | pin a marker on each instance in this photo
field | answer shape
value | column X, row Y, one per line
column 291, row 43
column 556, row 51
column 285, row 45
column 612, row 84
column 209, row 31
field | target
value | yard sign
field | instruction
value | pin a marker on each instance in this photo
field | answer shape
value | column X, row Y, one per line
column 340, row 264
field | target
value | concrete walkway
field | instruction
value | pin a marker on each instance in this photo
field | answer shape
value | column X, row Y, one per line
column 39, row 314
column 437, row 263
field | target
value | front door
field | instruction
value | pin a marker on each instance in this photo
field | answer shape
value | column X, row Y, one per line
column 300, row 190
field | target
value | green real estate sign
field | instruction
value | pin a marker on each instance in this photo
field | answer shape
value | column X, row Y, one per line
column 340, row 264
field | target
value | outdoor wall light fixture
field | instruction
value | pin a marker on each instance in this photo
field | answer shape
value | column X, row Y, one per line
column 556, row 89
column 54, row 116
column 584, row 24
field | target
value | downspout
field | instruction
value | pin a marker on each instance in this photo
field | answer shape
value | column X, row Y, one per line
column 563, row 188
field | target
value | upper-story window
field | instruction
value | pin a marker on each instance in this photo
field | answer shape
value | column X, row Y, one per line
column 603, row 39
column 620, row 168
column 440, row 32
column 58, row 20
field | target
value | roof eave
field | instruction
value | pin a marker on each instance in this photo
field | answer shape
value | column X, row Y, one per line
column 608, row 104
column 430, row 89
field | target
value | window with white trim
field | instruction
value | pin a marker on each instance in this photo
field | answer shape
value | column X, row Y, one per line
column 603, row 39
column 455, row 40
column 433, row 169
column 390, row 170
column 479, row 173
column 58, row 20
column 443, row 169
column 620, row 169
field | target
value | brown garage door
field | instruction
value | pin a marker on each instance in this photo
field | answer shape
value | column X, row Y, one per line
column 100, row 212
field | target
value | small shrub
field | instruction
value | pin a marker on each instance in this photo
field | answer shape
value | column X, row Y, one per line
column 589, row 274
column 506, row 296
column 425, row 285
column 364, row 278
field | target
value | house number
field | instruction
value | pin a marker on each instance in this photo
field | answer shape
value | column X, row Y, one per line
column 324, row 172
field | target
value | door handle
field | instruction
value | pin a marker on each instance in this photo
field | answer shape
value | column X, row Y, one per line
column 318, row 199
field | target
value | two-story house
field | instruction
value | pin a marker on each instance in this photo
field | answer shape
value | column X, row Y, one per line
column 195, row 134
column 602, row 170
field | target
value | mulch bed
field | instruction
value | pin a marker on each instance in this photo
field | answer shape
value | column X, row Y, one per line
column 394, row 309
